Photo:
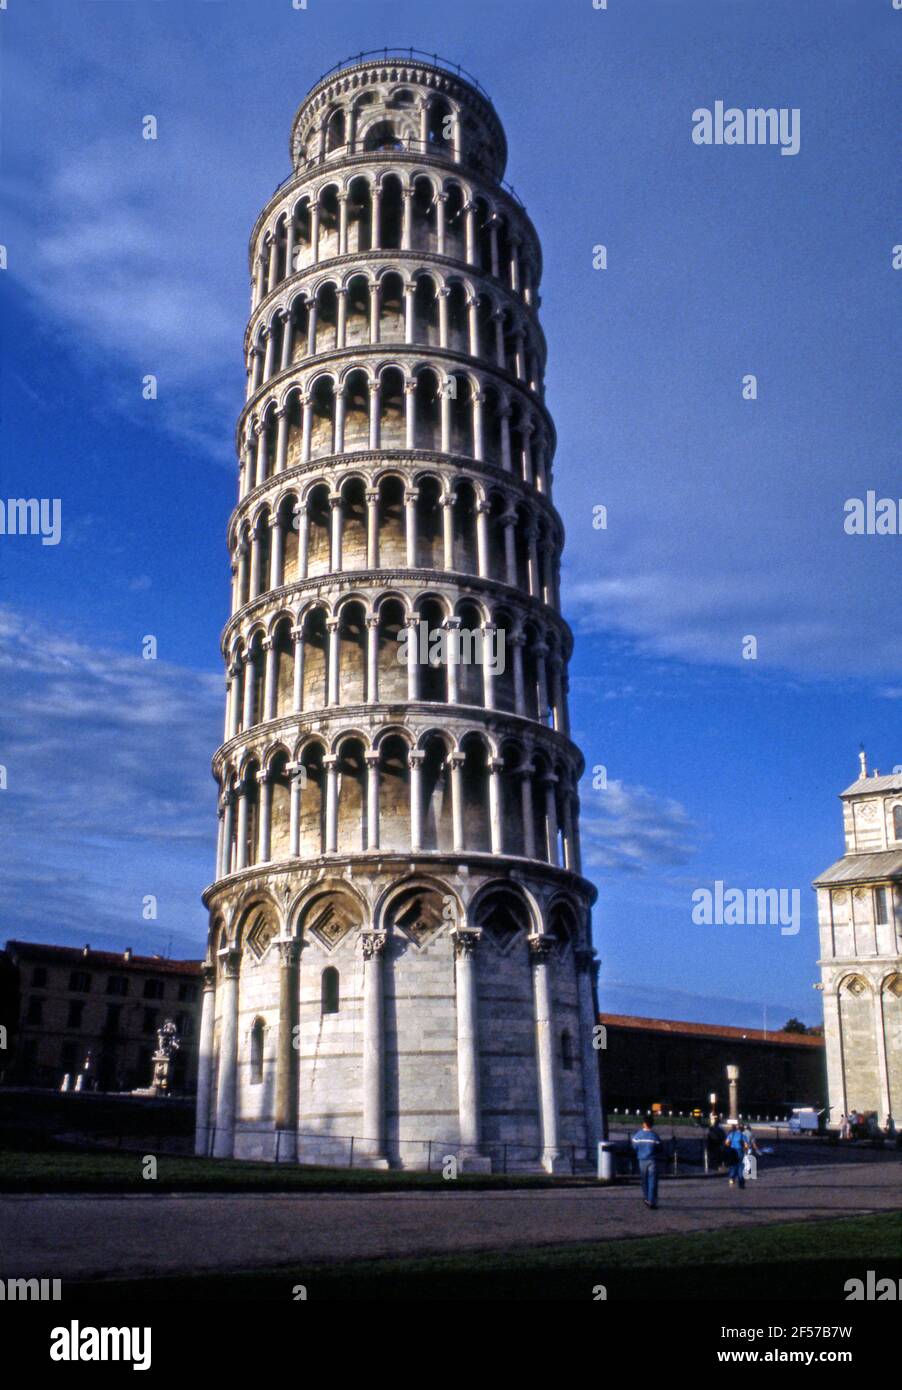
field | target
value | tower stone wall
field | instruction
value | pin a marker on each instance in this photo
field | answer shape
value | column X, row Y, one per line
column 400, row 961
column 860, row 925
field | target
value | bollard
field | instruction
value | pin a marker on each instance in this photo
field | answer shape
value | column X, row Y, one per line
column 605, row 1161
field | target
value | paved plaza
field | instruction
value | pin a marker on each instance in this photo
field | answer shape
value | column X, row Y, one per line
column 79, row 1237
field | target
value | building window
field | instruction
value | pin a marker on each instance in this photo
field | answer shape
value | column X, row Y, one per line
column 76, row 1009
column 113, row 1015
column 185, row 1025
column 35, row 1012
column 80, row 980
column 187, row 993
column 257, row 1032
column 897, row 822
column 39, row 977
column 69, row 1055
column 880, row 913
column 153, row 989
column 150, row 1020
column 330, row 990
column 566, row 1051
column 117, row 984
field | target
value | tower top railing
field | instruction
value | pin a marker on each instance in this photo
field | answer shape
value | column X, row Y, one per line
column 406, row 55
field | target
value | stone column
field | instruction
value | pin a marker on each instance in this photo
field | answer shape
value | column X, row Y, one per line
column 470, row 232
column 551, row 827
column 281, row 440
column 269, row 339
column 273, row 268
column 465, row 942
column 415, row 764
column 269, row 679
column 409, row 312
column 540, row 948
column 336, row 519
column 286, row 1099
column 247, row 713
column 277, row 551
column 440, row 232
column 515, row 641
column 341, row 326
column 264, row 836
column 456, row 762
column 447, row 504
column 303, row 524
column 509, row 521
column 224, row 1143
column 205, row 1062
column 443, row 296
column 407, row 222
column 296, row 774
column 241, row 833
column 410, row 525
column 330, row 762
column 289, row 245
column 373, row 1139
column 297, row 693
column 504, row 416
column 341, row 402
column 413, row 664
column 372, row 800
column 529, row 830
column 262, row 452
column 375, row 310
column 372, row 660
column 410, row 414
column 342, row 224
column 482, row 539
column 495, row 766
column 256, row 369
column 886, row 1107
column 375, row 414
column 314, row 231
column 376, row 218
column 478, row 431
column 333, row 672
column 312, row 322
column 452, row 641
column 228, row 830
column 591, row 1056
column 236, row 699
column 254, row 588
column 473, row 324
column 445, row 408
column 488, row 677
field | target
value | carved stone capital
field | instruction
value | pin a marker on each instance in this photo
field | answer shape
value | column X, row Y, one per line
column 466, row 939
column 540, row 946
column 373, row 944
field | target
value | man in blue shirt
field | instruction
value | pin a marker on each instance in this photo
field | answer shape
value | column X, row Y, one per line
column 737, row 1145
column 647, row 1146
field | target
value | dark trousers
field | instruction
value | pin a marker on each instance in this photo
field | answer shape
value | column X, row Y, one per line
column 648, row 1179
column 734, row 1171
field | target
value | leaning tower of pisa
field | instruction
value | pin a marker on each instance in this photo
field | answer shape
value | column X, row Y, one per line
column 400, row 962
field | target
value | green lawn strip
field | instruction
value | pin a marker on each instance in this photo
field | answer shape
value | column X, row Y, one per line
column 92, row 1172
column 791, row 1260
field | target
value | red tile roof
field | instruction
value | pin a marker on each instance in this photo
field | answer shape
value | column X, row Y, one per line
column 708, row 1030
column 108, row 960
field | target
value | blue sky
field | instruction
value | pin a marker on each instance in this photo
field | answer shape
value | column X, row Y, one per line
column 725, row 516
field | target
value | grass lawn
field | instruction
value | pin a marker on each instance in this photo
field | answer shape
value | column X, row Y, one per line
column 795, row 1260
column 62, row 1170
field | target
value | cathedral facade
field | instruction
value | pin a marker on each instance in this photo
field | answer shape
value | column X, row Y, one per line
column 400, row 963
column 860, row 924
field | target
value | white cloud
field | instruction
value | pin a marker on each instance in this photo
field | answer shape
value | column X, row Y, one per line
column 632, row 830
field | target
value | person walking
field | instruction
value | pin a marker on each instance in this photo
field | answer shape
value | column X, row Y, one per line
column 737, row 1145
column 647, row 1146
